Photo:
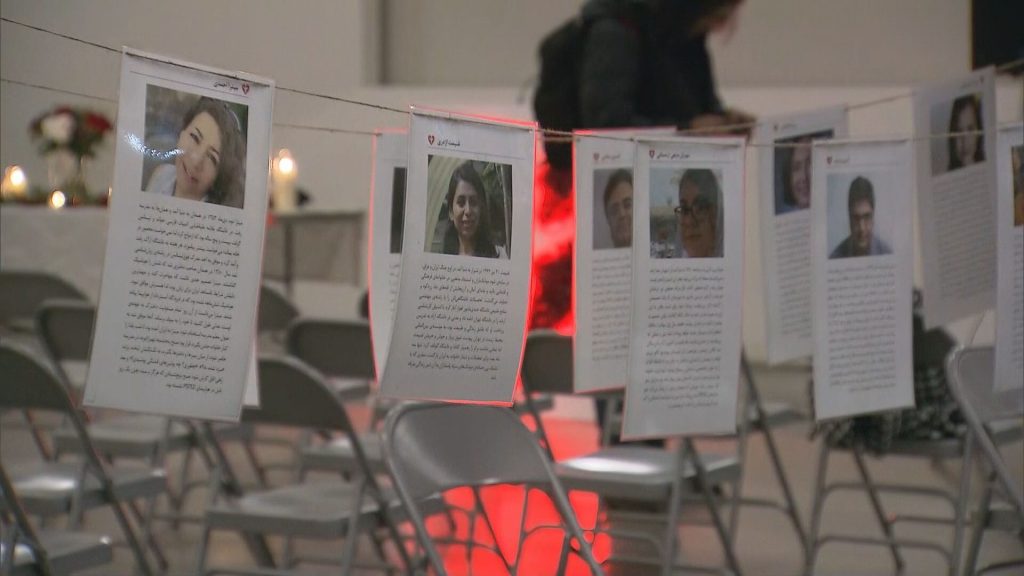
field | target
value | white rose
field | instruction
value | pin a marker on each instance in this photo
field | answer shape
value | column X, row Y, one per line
column 59, row 128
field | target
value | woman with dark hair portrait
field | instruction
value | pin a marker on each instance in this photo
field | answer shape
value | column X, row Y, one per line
column 965, row 149
column 796, row 176
column 209, row 161
column 469, row 226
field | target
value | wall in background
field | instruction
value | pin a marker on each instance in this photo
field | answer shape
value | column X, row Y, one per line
column 778, row 42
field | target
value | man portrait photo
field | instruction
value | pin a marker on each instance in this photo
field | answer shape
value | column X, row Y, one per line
column 862, row 239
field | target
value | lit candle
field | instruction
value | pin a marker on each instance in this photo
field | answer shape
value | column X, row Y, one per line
column 57, row 199
column 14, row 182
column 284, row 174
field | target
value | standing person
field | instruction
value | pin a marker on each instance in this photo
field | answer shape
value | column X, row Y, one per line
column 634, row 63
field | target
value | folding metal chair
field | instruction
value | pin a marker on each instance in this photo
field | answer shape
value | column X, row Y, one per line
column 22, row 292
column 294, row 395
column 69, row 488
column 971, row 379
column 274, row 315
column 433, row 448
column 342, row 351
column 999, row 432
column 24, row 551
column 65, row 328
column 645, row 475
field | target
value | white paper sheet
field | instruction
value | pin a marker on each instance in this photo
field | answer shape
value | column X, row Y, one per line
column 687, row 286
column 863, row 360
column 177, row 306
column 1009, row 368
column 956, row 184
column 461, row 318
column 784, row 182
column 603, row 255
column 391, row 152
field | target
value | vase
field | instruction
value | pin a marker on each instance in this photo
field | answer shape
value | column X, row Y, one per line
column 65, row 171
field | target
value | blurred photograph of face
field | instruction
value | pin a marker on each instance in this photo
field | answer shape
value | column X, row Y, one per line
column 966, row 145
column 862, row 227
column 619, row 211
column 697, row 221
column 800, row 176
column 198, row 158
column 465, row 212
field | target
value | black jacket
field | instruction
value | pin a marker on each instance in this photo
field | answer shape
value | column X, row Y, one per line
column 639, row 67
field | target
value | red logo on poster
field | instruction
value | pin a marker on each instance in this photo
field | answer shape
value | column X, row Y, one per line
column 430, row 139
column 828, row 160
column 596, row 156
column 650, row 153
column 245, row 89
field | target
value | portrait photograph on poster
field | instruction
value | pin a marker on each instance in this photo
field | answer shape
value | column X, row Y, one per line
column 685, row 213
column 397, row 209
column 475, row 218
column 195, row 147
column 613, row 208
column 858, row 222
column 792, row 162
column 962, row 114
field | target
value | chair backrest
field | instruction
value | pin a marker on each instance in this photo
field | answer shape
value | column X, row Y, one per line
column 21, row 293
column 432, row 448
column 294, row 394
column 336, row 348
column 65, row 327
column 971, row 376
column 275, row 310
column 547, row 363
column 29, row 384
column 970, row 373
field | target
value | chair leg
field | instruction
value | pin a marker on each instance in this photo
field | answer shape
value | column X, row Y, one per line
column 817, row 507
column 204, row 547
column 960, row 510
column 978, row 529
column 37, row 437
column 773, row 452
column 716, row 517
column 876, row 506
column 143, row 520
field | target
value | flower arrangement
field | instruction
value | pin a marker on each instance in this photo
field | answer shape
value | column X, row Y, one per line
column 74, row 129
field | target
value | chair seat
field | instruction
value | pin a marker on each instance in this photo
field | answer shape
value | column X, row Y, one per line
column 776, row 414
column 47, row 488
column 139, row 436
column 350, row 389
column 338, row 456
column 311, row 510
column 641, row 473
column 68, row 552
column 1003, row 431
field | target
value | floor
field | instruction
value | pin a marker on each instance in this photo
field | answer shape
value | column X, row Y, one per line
column 766, row 543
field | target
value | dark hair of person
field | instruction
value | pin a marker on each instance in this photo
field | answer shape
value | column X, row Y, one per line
column 971, row 101
column 228, row 188
column 620, row 176
column 672, row 12
column 482, row 244
column 705, row 182
column 861, row 190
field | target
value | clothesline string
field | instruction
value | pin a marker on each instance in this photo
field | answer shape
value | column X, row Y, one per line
column 550, row 134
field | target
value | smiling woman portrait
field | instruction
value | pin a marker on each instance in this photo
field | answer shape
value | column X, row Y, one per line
column 473, row 207
column 206, row 160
